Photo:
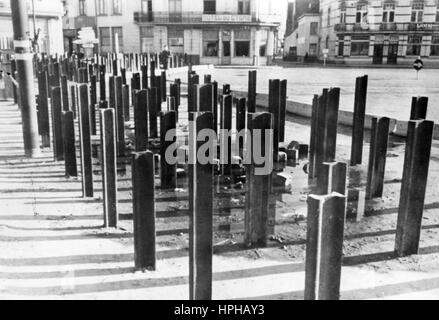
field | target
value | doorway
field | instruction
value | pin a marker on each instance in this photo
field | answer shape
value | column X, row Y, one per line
column 378, row 53
column 392, row 56
column 226, row 59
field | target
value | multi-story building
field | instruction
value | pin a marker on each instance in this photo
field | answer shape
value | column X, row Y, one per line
column 304, row 21
column 380, row 31
column 209, row 31
column 303, row 43
column 45, row 19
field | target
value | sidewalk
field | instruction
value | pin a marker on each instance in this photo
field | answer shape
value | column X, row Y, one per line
column 52, row 244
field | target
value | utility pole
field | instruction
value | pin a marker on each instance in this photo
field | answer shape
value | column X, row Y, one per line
column 24, row 61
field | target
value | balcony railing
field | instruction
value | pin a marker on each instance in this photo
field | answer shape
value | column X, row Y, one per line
column 201, row 17
column 143, row 17
column 386, row 27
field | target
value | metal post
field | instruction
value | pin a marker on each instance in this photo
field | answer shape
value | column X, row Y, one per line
column 324, row 250
column 141, row 120
column 69, row 144
column 201, row 214
column 144, row 210
column 359, row 118
column 377, row 157
column 109, row 167
column 168, row 172
column 414, row 185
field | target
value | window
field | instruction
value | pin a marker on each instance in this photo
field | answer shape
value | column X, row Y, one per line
column 176, row 40
column 146, row 6
column 360, row 46
column 105, row 39
column 329, row 17
column 147, row 39
column 263, row 37
column 389, row 12
column 414, row 44
column 361, row 16
column 82, row 8
column 117, row 7
column 209, row 6
column 340, row 46
column 417, row 12
column 175, row 10
column 313, row 28
column 242, row 43
column 210, row 43
column 313, row 49
column 343, row 16
column 437, row 13
column 243, row 6
column 102, row 7
column 434, row 46
column 117, row 32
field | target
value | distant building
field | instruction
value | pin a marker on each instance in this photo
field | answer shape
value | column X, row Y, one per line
column 48, row 24
column 380, row 32
column 303, row 44
column 303, row 29
column 229, row 32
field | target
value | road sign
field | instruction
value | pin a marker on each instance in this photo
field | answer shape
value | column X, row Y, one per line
column 418, row 65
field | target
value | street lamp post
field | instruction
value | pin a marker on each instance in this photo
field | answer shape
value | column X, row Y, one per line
column 24, row 62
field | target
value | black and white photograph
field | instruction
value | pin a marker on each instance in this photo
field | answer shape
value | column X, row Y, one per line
column 200, row 151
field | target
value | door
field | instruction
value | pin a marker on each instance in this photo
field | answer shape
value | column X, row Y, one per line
column 392, row 57
column 226, row 59
column 378, row 53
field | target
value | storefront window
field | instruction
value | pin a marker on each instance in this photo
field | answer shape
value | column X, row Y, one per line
column 360, row 46
column 105, row 39
column 434, row 46
column 242, row 43
column 414, row 44
column 117, row 33
column 176, row 40
column 210, row 43
column 147, row 39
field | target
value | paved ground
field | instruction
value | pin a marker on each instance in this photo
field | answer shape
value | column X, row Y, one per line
column 390, row 90
column 52, row 244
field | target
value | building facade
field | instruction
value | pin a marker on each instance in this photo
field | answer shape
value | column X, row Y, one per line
column 227, row 32
column 45, row 18
column 380, row 31
column 303, row 44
